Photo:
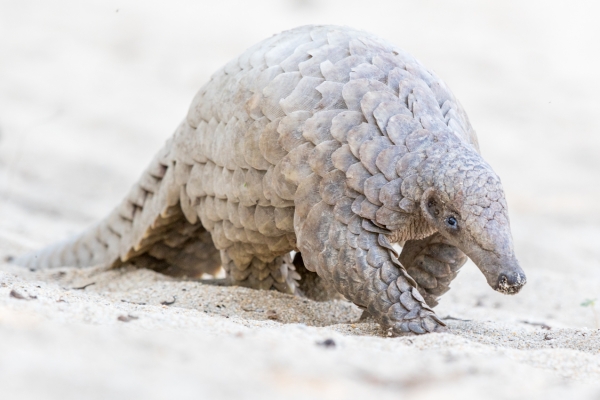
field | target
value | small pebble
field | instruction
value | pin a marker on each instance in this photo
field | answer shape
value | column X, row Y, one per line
column 327, row 343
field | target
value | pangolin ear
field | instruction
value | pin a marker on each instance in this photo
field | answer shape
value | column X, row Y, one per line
column 432, row 207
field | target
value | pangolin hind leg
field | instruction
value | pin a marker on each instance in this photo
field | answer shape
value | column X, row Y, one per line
column 433, row 263
column 255, row 266
column 312, row 285
column 178, row 248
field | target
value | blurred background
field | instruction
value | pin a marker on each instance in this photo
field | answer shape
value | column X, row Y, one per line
column 89, row 91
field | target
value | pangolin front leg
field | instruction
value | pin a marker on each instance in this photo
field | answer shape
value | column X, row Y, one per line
column 355, row 256
column 433, row 263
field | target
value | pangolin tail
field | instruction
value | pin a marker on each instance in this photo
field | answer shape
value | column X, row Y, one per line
column 148, row 229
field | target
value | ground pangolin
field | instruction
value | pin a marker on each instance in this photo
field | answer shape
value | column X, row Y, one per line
column 330, row 142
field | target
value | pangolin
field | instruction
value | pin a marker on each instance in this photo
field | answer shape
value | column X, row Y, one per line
column 329, row 142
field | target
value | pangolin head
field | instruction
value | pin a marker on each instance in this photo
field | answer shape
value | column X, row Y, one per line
column 466, row 204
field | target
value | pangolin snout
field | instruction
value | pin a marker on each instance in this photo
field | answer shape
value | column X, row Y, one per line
column 511, row 283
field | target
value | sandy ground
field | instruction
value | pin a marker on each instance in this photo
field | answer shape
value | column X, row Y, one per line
column 90, row 90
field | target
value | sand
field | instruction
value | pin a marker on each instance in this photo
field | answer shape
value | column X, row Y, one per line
column 89, row 91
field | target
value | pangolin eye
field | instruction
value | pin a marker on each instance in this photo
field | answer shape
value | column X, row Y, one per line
column 452, row 222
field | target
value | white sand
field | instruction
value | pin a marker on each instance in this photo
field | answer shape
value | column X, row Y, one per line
column 89, row 93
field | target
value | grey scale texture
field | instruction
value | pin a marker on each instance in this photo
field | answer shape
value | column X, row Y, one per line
column 330, row 142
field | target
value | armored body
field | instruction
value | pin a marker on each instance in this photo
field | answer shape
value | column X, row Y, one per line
column 326, row 141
